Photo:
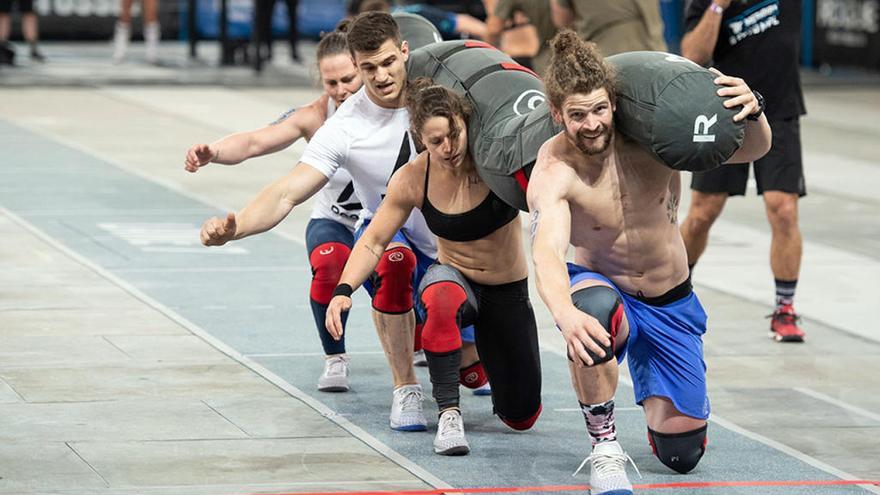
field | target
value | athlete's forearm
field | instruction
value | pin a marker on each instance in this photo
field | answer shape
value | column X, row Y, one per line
column 551, row 277
column 756, row 143
column 699, row 44
column 363, row 260
column 277, row 200
column 264, row 212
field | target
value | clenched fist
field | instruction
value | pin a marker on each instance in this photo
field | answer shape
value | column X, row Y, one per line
column 218, row 231
column 198, row 155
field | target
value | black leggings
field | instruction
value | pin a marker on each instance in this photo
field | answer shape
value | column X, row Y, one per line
column 507, row 340
column 506, row 337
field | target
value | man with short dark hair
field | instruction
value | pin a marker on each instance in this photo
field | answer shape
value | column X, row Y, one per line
column 368, row 136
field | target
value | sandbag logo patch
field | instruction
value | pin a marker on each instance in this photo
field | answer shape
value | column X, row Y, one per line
column 528, row 101
column 702, row 124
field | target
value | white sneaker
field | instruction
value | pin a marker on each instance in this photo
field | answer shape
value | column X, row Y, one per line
column 608, row 470
column 450, row 438
column 419, row 358
column 335, row 375
column 121, row 37
column 152, row 33
column 406, row 409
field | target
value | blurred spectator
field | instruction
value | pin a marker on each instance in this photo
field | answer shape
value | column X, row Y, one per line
column 29, row 27
column 263, row 27
column 450, row 24
column 758, row 41
column 152, row 31
column 616, row 26
column 521, row 28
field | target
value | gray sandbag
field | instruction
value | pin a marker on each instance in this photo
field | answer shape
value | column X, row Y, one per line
column 665, row 103
column 416, row 30
column 669, row 105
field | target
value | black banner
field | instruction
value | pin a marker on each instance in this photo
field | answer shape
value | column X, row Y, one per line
column 847, row 32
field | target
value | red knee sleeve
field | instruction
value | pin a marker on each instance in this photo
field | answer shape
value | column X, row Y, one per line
column 524, row 424
column 393, row 283
column 442, row 300
column 474, row 376
column 327, row 262
column 417, row 341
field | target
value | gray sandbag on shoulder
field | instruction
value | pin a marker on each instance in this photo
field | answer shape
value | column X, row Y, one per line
column 670, row 106
column 416, row 30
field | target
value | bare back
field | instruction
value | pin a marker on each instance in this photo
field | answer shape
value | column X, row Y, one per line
column 624, row 214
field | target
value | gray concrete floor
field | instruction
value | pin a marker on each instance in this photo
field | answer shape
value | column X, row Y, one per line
column 104, row 391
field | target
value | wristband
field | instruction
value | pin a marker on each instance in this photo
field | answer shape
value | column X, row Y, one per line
column 343, row 290
column 714, row 7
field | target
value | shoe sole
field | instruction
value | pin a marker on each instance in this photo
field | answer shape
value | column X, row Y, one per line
column 482, row 393
column 616, row 492
column 786, row 338
column 333, row 389
column 420, row 364
column 457, row 450
column 409, row 427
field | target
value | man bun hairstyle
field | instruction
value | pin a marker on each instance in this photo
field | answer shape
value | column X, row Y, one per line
column 576, row 66
column 369, row 30
column 424, row 100
column 334, row 42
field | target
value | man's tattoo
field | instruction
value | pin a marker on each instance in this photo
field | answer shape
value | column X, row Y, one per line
column 672, row 208
column 533, row 224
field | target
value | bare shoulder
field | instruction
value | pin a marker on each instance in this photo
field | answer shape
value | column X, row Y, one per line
column 552, row 174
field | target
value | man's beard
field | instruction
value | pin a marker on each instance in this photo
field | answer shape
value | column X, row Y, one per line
column 597, row 146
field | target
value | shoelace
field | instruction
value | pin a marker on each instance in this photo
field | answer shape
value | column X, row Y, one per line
column 411, row 400
column 607, row 463
column 450, row 424
column 336, row 366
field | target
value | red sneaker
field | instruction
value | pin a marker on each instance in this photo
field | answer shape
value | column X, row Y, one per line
column 783, row 325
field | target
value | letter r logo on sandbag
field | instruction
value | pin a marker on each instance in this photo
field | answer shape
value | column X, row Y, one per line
column 702, row 124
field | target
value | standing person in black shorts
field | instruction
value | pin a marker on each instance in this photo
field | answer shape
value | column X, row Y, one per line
column 759, row 41
column 29, row 26
column 480, row 277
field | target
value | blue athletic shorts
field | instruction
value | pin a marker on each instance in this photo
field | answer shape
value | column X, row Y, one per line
column 665, row 347
column 423, row 262
column 323, row 230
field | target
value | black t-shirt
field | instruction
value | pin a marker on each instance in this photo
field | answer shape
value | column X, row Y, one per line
column 759, row 41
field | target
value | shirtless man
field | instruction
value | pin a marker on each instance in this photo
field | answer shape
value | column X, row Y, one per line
column 629, row 290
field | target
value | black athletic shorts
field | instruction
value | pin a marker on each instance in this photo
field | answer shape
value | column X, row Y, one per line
column 24, row 6
column 781, row 169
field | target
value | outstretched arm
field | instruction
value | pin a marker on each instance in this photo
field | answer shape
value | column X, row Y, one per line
column 389, row 218
column 241, row 146
column 265, row 211
column 551, row 233
column 758, row 136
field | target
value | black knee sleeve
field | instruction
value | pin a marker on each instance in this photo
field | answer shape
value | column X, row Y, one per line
column 679, row 451
column 603, row 304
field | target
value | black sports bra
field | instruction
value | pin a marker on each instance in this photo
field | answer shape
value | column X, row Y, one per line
column 487, row 217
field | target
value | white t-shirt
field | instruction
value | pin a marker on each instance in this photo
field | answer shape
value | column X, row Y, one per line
column 337, row 200
column 370, row 143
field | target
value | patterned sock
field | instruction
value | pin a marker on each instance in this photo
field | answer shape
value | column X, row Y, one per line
column 785, row 292
column 600, row 421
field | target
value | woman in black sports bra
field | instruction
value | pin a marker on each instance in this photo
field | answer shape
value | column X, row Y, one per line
column 480, row 277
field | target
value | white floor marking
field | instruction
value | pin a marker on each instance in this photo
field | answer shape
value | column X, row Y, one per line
column 839, row 403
